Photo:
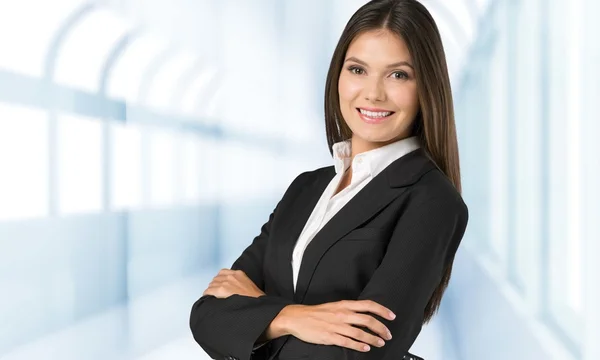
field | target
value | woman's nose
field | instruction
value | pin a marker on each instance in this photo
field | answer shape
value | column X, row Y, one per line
column 375, row 91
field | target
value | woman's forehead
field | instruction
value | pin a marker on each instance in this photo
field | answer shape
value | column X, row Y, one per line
column 379, row 46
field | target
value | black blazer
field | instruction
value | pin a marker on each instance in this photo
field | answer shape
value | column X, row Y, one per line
column 390, row 243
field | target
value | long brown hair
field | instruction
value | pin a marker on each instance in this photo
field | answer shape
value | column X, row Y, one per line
column 434, row 123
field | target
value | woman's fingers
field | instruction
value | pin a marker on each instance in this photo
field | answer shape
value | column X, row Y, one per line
column 369, row 306
column 337, row 323
column 354, row 315
column 370, row 322
column 349, row 343
column 359, row 335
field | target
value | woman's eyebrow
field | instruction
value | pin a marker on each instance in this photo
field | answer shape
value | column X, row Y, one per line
column 400, row 63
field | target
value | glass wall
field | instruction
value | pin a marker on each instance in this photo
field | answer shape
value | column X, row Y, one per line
column 530, row 161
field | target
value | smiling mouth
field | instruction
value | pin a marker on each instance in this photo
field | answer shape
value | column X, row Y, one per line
column 374, row 116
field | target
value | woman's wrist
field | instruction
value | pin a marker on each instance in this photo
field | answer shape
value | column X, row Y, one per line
column 282, row 324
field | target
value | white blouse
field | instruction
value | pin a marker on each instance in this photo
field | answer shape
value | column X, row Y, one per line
column 365, row 167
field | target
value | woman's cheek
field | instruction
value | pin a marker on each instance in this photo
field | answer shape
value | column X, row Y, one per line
column 348, row 88
column 404, row 97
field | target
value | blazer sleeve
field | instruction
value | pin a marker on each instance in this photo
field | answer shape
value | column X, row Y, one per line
column 423, row 243
column 230, row 327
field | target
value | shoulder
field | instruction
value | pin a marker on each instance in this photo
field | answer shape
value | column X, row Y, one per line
column 310, row 177
column 434, row 190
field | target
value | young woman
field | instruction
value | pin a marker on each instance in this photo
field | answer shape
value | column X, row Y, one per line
column 356, row 256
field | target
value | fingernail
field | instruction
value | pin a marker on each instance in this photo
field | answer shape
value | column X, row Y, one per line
column 389, row 335
column 366, row 347
column 392, row 315
column 380, row 342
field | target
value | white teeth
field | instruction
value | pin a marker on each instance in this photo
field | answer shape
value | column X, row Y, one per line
column 372, row 114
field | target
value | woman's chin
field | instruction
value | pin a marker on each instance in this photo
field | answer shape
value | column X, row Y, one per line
column 371, row 137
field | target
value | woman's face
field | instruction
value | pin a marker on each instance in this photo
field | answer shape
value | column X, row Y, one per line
column 378, row 90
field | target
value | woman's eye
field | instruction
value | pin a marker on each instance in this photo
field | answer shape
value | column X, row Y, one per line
column 356, row 70
column 400, row 75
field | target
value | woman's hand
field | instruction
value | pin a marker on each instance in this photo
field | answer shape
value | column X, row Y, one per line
column 331, row 323
column 229, row 282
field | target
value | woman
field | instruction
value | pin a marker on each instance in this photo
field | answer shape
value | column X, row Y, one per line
column 356, row 256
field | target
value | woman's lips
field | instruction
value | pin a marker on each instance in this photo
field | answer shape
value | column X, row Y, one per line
column 374, row 120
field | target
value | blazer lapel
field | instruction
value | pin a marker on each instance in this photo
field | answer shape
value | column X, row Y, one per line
column 379, row 192
column 305, row 202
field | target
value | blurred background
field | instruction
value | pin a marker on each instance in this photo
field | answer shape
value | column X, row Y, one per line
column 144, row 143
